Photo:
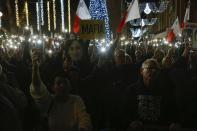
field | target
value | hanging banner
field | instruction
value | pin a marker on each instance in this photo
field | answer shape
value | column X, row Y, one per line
column 92, row 29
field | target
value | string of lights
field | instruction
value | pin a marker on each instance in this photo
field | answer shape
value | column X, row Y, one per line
column 69, row 17
column 27, row 13
column 17, row 13
column 48, row 14
column 62, row 15
column 54, row 15
column 98, row 11
column 38, row 16
column 42, row 11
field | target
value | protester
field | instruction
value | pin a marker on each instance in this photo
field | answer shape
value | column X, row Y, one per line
column 64, row 111
column 151, row 99
column 122, row 87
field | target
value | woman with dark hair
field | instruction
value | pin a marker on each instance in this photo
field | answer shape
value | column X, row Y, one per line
column 76, row 62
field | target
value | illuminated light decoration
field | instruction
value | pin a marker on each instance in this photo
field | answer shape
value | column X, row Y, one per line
column 17, row 13
column 69, row 17
column 42, row 11
column 54, row 15
column 143, row 23
column 98, row 11
column 138, row 32
column 148, row 22
column 153, row 6
column 38, row 16
column 147, row 10
column 27, row 13
column 48, row 14
column 1, row 14
column 62, row 15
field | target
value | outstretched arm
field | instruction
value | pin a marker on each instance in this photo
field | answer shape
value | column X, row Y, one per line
column 38, row 89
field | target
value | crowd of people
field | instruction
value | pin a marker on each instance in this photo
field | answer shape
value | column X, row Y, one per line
column 80, row 88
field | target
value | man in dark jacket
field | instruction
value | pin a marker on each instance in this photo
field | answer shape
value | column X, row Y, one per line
column 151, row 99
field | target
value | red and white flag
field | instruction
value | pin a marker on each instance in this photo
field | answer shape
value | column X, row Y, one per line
column 81, row 14
column 176, row 27
column 187, row 16
column 175, row 31
column 131, row 14
column 170, row 36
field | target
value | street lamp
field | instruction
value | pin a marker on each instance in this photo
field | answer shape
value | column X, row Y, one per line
column 1, row 14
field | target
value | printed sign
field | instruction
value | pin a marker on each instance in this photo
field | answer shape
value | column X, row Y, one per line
column 92, row 29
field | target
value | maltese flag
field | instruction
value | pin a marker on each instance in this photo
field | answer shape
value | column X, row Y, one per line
column 81, row 14
column 187, row 16
column 176, row 27
column 175, row 31
column 131, row 14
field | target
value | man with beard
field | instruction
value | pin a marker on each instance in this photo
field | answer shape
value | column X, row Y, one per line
column 151, row 99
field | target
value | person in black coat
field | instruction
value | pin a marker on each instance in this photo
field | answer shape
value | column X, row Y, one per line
column 184, row 75
column 150, row 100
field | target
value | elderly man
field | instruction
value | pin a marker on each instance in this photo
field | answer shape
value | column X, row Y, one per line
column 65, row 112
column 151, row 99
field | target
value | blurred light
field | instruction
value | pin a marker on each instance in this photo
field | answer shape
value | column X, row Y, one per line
column 176, row 46
column 122, row 38
column 65, row 31
column 34, row 37
column 103, row 40
column 39, row 41
column 57, row 43
column 26, row 28
column 126, row 43
column 1, row 14
column 60, row 37
column 103, row 49
column 50, row 51
column 15, row 47
column 166, row 42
